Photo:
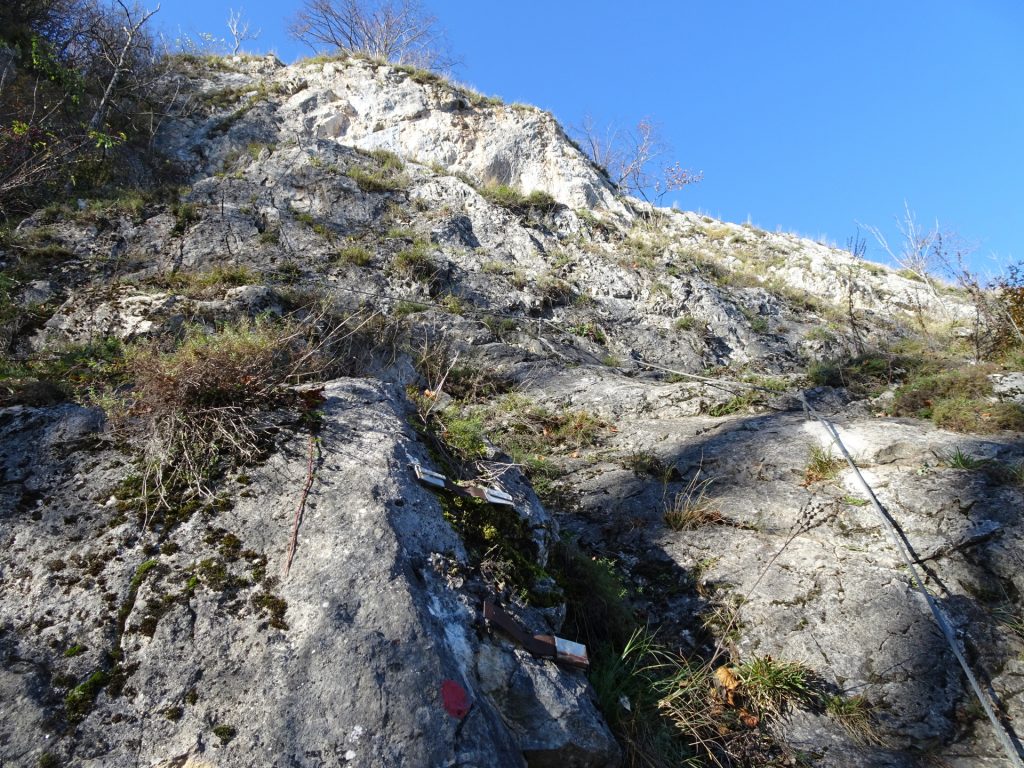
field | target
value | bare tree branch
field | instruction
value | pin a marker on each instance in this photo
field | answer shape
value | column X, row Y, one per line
column 399, row 31
column 628, row 158
column 238, row 27
column 130, row 30
column 916, row 250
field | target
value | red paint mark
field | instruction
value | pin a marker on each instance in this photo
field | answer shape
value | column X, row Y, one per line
column 456, row 702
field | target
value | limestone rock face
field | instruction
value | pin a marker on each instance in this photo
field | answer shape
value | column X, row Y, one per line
column 126, row 643
column 352, row 669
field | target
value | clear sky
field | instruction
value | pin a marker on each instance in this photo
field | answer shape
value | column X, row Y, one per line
column 804, row 115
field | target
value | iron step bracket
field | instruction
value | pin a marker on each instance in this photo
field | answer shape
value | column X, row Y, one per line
column 429, row 477
column 495, row 496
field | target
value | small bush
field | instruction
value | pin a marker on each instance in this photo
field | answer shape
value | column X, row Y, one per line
column 918, row 396
column 957, row 399
column 868, row 374
column 964, row 414
column 206, row 404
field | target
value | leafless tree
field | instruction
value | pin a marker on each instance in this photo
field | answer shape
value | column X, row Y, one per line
column 85, row 88
column 399, row 31
column 628, row 158
column 238, row 27
column 916, row 251
column 119, row 54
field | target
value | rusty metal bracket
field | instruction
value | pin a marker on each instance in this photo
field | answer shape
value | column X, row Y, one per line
column 545, row 646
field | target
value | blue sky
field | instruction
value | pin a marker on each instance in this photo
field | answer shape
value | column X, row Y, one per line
column 804, row 115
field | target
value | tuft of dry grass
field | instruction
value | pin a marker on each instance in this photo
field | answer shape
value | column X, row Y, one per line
column 821, row 466
column 207, row 403
column 691, row 507
column 215, row 399
column 855, row 715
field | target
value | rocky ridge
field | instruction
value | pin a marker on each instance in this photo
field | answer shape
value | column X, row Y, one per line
column 382, row 191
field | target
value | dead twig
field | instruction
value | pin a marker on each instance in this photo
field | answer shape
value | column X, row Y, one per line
column 293, row 542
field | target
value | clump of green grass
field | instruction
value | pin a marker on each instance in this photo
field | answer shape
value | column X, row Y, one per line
column 355, row 254
column 642, row 251
column 388, row 161
column 415, row 261
column 960, row 460
column 821, row 466
column 1011, row 621
column 185, row 214
column 771, row 383
column 524, row 428
column 73, row 372
column 465, row 434
column 820, row 333
column 225, row 733
column 735, row 404
column 373, row 180
column 590, row 331
column 770, row 685
column 453, row 304
column 644, row 463
column 554, row 291
column 405, row 308
column 205, row 283
column 421, row 75
column 515, row 201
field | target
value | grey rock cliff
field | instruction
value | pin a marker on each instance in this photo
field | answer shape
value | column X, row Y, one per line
column 124, row 643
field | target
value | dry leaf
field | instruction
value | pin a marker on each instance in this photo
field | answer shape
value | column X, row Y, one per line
column 726, row 678
column 748, row 719
column 727, row 681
